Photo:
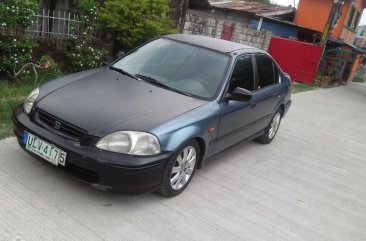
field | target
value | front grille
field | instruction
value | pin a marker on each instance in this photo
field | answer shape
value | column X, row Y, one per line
column 59, row 125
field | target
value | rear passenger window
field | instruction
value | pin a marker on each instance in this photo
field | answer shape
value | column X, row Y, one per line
column 267, row 73
column 243, row 75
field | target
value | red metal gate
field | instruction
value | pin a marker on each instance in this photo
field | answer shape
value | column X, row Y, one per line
column 299, row 59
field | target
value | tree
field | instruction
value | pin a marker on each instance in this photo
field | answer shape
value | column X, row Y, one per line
column 136, row 21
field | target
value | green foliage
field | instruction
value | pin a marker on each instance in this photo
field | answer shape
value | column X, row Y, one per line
column 82, row 52
column 136, row 21
column 360, row 74
column 16, row 14
column 14, row 53
column 49, row 68
column 46, row 68
column 15, row 48
column 83, row 55
column 88, row 7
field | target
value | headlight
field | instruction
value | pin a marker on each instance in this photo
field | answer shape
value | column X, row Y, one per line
column 28, row 103
column 130, row 142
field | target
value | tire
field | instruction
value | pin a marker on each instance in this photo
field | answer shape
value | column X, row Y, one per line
column 271, row 130
column 180, row 169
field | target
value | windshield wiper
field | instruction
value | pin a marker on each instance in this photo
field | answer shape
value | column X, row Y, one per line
column 123, row 72
column 160, row 84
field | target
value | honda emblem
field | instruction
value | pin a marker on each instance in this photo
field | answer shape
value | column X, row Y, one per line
column 57, row 125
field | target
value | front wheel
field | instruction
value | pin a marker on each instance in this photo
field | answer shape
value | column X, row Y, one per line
column 271, row 130
column 180, row 169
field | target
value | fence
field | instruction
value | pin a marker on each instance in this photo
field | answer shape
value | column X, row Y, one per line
column 54, row 24
column 300, row 60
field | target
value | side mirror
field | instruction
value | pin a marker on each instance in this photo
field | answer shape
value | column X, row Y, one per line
column 104, row 64
column 240, row 94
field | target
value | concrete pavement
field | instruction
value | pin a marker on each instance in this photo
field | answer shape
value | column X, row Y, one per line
column 308, row 184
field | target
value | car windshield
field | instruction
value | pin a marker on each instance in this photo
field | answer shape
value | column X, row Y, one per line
column 177, row 66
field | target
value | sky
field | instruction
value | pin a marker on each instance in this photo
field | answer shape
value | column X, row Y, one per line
column 291, row 2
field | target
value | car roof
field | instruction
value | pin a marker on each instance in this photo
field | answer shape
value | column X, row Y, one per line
column 220, row 45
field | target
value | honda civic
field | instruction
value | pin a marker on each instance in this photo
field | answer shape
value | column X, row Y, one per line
column 150, row 119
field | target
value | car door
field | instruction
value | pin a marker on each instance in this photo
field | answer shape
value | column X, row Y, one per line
column 236, row 120
column 267, row 94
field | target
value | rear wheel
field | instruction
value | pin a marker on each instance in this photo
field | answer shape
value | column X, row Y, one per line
column 180, row 169
column 271, row 130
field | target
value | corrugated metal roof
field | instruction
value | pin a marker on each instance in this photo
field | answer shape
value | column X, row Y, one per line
column 271, row 12
column 257, row 8
column 341, row 41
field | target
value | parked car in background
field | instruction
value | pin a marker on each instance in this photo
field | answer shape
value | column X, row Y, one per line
column 147, row 121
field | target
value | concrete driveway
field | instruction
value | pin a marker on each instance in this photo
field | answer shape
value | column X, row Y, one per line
column 309, row 184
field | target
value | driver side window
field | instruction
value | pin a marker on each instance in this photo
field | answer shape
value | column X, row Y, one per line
column 242, row 75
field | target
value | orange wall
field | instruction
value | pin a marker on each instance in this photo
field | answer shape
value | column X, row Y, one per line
column 359, row 4
column 313, row 14
column 347, row 35
column 342, row 20
column 340, row 31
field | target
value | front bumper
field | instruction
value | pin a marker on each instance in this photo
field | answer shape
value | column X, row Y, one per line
column 102, row 169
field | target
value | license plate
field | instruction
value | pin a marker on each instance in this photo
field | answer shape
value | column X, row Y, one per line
column 43, row 149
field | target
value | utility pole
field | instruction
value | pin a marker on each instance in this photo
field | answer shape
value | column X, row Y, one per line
column 183, row 13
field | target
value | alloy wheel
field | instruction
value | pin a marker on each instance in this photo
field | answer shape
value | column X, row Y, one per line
column 183, row 168
column 274, row 125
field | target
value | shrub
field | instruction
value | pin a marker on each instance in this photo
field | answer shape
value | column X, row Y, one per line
column 46, row 68
column 15, row 48
column 82, row 51
column 16, row 15
column 136, row 21
column 14, row 53
column 83, row 55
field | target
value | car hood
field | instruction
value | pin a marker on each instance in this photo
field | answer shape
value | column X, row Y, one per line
column 108, row 101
